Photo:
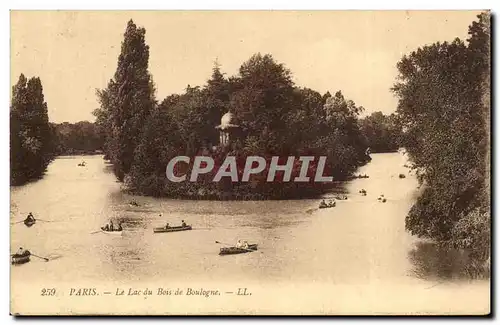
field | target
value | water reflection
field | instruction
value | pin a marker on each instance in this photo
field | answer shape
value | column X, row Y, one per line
column 436, row 262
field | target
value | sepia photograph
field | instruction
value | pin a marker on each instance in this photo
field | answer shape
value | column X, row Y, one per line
column 250, row 163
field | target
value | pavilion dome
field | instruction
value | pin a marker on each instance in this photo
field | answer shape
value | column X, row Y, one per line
column 227, row 121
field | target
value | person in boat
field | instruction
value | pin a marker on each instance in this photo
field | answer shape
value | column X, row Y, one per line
column 184, row 223
column 106, row 227
column 239, row 244
column 167, row 226
column 245, row 245
column 22, row 252
column 323, row 203
column 120, row 228
column 111, row 226
column 30, row 218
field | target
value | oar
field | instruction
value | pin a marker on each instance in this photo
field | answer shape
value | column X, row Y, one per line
column 43, row 258
column 45, row 220
column 95, row 232
column 17, row 222
column 250, row 250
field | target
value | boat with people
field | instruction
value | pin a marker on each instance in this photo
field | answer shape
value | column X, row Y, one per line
column 29, row 223
column 238, row 250
column 168, row 228
column 112, row 232
column 172, row 229
column 111, row 229
column 324, row 205
column 133, row 203
column 21, row 257
column 30, row 220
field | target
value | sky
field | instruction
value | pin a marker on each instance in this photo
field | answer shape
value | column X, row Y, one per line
column 76, row 52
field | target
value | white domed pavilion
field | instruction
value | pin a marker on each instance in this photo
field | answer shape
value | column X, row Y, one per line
column 227, row 128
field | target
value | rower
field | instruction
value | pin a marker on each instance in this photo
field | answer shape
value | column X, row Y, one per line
column 30, row 218
column 120, row 227
column 184, row 224
column 168, row 225
column 21, row 251
column 111, row 228
column 245, row 244
column 239, row 244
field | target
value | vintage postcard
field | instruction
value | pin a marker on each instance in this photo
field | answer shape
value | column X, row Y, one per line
column 250, row 163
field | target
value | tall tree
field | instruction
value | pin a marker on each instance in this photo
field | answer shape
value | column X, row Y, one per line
column 31, row 135
column 274, row 118
column 216, row 101
column 262, row 99
column 442, row 90
column 127, row 101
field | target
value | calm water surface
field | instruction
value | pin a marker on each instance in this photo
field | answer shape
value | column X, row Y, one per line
column 360, row 242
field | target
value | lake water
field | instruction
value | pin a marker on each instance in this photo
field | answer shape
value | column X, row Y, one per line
column 355, row 258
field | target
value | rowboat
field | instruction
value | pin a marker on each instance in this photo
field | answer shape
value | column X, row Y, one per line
column 172, row 229
column 114, row 232
column 29, row 223
column 237, row 250
column 327, row 206
column 21, row 258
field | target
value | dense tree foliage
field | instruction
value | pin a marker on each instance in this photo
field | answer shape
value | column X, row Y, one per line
column 31, row 147
column 77, row 138
column 382, row 132
column 127, row 101
column 444, row 109
column 274, row 117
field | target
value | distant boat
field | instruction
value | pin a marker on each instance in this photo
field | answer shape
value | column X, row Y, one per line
column 29, row 223
column 237, row 250
column 324, row 206
column 21, row 258
column 172, row 229
column 114, row 232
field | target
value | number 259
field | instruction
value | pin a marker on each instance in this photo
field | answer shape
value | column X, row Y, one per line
column 48, row 292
